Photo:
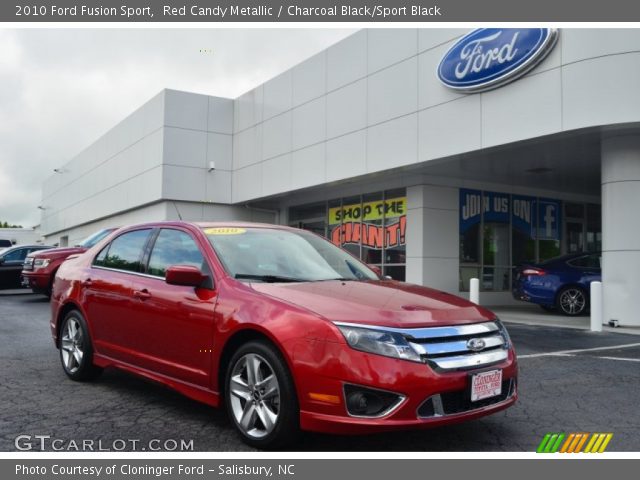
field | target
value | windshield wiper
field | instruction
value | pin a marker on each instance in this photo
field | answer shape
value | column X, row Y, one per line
column 268, row 278
column 342, row 279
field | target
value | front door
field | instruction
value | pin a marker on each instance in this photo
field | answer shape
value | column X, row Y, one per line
column 177, row 322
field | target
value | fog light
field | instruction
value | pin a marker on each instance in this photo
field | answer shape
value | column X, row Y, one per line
column 368, row 402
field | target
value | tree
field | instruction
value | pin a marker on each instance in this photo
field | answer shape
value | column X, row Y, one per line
column 6, row 224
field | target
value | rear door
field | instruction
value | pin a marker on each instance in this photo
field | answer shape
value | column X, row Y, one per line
column 587, row 268
column 11, row 267
column 108, row 295
column 177, row 322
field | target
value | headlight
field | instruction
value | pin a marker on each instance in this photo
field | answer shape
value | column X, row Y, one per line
column 503, row 331
column 380, row 342
column 41, row 262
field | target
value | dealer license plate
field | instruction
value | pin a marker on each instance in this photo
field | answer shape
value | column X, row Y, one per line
column 486, row 385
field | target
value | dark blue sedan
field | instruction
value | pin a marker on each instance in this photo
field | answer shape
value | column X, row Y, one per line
column 560, row 284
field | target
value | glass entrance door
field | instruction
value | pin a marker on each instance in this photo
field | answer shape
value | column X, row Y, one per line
column 574, row 236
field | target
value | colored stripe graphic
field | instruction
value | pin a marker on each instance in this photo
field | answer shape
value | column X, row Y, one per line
column 550, row 443
column 574, row 442
column 543, row 443
column 591, row 442
column 566, row 445
column 598, row 443
column 578, row 448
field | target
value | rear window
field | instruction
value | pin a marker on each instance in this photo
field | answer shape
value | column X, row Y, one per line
column 125, row 252
column 95, row 238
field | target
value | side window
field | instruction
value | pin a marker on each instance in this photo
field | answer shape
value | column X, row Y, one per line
column 588, row 261
column 125, row 252
column 580, row 262
column 174, row 247
column 16, row 256
column 101, row 257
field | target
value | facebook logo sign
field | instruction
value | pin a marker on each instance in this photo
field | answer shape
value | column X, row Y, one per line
column 548, row 219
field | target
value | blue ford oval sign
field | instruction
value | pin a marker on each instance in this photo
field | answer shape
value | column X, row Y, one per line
column 490, row 57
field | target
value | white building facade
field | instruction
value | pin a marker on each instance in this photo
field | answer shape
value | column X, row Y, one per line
column 364, row 144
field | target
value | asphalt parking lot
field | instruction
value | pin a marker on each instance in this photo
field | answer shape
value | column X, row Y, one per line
column 565, row 386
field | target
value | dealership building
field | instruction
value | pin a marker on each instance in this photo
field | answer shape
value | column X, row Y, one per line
column 439, row 155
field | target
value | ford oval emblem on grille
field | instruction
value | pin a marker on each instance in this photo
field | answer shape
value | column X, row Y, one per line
column 475, row 344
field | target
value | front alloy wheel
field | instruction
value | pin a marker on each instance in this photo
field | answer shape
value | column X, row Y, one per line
column 260, row 396
column 76, row 351
column 255, row 396
column 572, row 301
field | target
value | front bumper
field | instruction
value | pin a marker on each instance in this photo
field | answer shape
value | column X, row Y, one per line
column 35, row 280
column 416, row 382
column 342, row 425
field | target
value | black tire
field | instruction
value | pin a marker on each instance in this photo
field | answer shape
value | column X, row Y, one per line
column 78, row 367
column 287, row 425
column 548, row 308
column 572, row 301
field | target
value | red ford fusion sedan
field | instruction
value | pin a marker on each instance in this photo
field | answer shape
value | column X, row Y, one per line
column 285, row 329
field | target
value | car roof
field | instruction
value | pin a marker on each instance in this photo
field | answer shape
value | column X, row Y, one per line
column 15, row 247
column 238, row 224
column 241, row 224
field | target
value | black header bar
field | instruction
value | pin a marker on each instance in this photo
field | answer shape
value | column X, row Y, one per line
column 383, row 11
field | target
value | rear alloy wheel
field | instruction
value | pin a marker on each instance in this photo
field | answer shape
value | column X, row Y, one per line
column 260, row 396
column 572, row 301
column 76, row 351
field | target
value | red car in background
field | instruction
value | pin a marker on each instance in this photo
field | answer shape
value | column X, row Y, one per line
column 285, row 329
column 39, row 268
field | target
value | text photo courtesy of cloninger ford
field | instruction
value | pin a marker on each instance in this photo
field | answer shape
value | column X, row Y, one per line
column 320, row 240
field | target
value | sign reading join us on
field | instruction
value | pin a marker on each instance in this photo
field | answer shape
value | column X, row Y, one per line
column 539, row 218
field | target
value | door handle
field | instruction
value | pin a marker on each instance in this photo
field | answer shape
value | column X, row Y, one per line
column 87, row 283
column 142, row 294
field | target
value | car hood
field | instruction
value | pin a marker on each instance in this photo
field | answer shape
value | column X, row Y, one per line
column 380, row 303
column 58, row 252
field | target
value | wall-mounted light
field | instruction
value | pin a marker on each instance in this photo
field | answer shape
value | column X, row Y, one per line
column 212, row 166
column 41, row 207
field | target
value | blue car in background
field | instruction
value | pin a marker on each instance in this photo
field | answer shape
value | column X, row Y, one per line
column 561, row 284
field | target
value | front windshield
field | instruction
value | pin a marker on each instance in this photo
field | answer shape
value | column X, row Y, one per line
column 91, row 240
column 273, row 255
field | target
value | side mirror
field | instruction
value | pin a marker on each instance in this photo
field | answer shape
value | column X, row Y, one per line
column 185, row 275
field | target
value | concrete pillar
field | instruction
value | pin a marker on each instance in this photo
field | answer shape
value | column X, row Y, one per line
column 432, row 237
column 621, row 228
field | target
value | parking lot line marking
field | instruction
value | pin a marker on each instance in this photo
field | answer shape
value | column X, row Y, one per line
column 568, row 352
column 621, row 359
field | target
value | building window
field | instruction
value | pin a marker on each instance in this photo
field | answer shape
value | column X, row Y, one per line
column 372, row 227
column 499, row 231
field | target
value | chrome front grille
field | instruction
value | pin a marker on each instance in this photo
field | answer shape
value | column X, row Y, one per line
column 459, row 401
column 460, row 347
column 28, row 263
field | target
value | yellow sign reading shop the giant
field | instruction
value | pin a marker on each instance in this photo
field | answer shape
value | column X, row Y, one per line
column 368, row 211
